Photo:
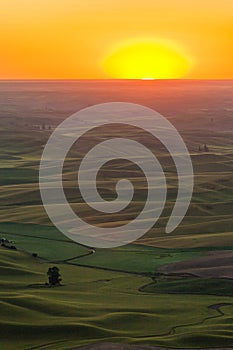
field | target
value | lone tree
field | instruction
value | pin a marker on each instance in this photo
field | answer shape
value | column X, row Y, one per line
column 54, row 276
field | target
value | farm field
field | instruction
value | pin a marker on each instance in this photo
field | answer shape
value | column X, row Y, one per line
column 96, row 305
column 165, row 290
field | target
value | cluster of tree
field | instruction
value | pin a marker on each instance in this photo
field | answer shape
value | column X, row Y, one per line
column 54, row 276
column 9, row 246
column 45, row 127
column 6, row 243
column 204, row 148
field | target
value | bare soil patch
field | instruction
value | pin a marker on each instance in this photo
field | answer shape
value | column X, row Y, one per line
column 218, row 264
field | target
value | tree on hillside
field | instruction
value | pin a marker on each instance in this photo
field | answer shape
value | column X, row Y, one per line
column 54, row 276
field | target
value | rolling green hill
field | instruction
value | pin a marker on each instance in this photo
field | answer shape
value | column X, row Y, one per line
column 95, row 305
column 110, row 295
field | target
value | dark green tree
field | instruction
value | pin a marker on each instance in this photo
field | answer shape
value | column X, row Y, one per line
column 54, row 276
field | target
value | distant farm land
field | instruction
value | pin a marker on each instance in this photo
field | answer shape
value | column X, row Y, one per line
column 164, row 291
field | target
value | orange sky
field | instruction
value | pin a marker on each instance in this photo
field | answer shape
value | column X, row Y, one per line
column 72, row 39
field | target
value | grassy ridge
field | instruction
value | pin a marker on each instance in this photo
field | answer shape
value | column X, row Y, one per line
column 211, row 286
column 47, row 242
column 50, row 244
column 135, row 258
column 98, row 305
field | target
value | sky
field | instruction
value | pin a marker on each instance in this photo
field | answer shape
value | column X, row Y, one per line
column 104, row 39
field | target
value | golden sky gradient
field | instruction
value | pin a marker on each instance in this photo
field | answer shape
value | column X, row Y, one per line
column 85, row 39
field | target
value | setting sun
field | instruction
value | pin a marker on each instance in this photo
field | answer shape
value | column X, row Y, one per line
column 104, row 39
column 147, row 60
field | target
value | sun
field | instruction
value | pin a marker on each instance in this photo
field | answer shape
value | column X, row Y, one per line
column 147, row 60
column 147, row 78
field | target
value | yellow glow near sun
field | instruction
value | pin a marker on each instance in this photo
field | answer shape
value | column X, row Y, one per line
column 147, row 60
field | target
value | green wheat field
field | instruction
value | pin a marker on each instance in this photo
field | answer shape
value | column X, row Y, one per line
column 169, row 290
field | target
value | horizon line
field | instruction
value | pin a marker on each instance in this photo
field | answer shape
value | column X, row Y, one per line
column 116, row 79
